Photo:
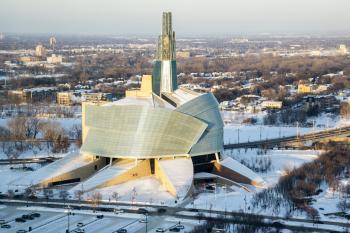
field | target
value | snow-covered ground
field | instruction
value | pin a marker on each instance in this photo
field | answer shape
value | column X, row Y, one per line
column 235, row 131
column 280, row 160
column 247, row 133
column 145, row 190
column 239, row 199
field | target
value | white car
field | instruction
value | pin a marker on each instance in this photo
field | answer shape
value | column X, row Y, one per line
column 80, row 224
column 118, row 211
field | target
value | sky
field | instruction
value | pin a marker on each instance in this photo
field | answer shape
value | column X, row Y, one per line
column 190, row 17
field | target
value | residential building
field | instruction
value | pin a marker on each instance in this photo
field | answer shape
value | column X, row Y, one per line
column 40, row 51
column 64, row 98
column 272, row 104
column 54, row 59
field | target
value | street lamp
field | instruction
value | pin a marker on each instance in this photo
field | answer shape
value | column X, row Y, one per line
column 146, row 221
column 68, row 213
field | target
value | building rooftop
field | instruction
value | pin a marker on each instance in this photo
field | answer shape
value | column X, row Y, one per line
column 181, row 96
column 152, row 101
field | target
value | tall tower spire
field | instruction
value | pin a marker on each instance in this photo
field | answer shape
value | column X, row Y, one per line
column 164, row 71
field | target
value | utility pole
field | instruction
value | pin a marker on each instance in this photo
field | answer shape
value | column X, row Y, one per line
column 297, row 129
column 146, row 222
column 279, row 132
column 68, row 213
column 238, row 136
column 260, row 131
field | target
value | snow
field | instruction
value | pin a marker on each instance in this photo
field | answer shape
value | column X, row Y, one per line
column 104, row 175
column 180, row 174
column 68, row 163
column 247, row 133
column 234, row 126
column 66, row 123
column 222, row 199
column 8, row 175
column 243, row 170
column 182, row 95
column 236, row 198
column 151, row 102
column 145, row 190
column 280, row 160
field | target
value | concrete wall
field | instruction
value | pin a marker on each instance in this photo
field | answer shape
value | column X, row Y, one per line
column 83, row 173
column 227, row 173
column 141, row 170
column 163, row 178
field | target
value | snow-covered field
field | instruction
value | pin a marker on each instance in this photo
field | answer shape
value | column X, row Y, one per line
column 235, row 131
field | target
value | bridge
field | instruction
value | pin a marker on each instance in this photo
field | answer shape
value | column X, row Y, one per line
column 283, row 141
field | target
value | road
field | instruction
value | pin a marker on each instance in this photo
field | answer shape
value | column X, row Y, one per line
column 316, row 136
column 28, row 160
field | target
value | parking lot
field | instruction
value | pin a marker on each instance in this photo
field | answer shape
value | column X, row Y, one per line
column 58, row 221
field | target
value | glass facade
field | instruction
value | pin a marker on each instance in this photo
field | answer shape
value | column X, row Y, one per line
column 206, row 109
column 139, row 132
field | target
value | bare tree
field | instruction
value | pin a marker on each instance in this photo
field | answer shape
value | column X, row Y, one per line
column 78, row 194
column 96, row 198
column 76, row 133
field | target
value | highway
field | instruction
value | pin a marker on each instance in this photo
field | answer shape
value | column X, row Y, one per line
column 315, row 136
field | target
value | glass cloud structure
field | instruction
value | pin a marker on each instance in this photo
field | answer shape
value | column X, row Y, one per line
column 160, row 130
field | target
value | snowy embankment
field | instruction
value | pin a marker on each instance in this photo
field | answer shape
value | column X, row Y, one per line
column 239, row 199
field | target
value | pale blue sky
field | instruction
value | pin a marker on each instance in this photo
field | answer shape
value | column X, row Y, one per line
column 191, row 17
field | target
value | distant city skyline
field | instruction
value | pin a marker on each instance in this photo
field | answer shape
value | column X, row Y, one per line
column 194, row 17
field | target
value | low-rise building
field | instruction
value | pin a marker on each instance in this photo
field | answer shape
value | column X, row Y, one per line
column 64, row 98
column 183, row 54
column 40, row 51
column 343, row 49
column 272, row 104
column 34, row 94
column 54, row 59
column 96, row 97
column 304, row 89
column 26, row 59
column 144, row 91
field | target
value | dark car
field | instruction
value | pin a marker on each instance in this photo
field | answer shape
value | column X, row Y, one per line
column 32, row 197
column 27, row 217
column 35, row 215
column 100, row 216
column 318, row 222
column 122, row 230
column 161, row 211
column 21, row 231
column 18, row 196
column 180, row 226
column 20, row 220
column 278, row 224
column 7, row 226
column 174, row 229
column 210, row 187
column 142, row 211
